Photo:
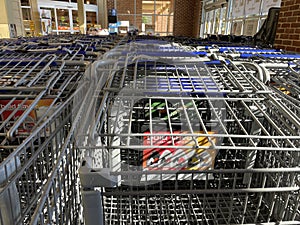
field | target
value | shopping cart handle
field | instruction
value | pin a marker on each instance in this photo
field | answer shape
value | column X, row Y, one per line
column 249, row 51
column 277, row 56
column 216, row 62
column 247, row 55
column 200, row 53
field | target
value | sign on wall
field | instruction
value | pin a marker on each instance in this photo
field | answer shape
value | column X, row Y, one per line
column 236, row 28
column 238, row 8
column 250, row 27
column 267, row 4
column 252, row 7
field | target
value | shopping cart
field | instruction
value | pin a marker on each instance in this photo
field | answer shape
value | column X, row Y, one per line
column 43, row 95
column 284, row 81
column 188, row 143
column 30, row 88
column 39, row 179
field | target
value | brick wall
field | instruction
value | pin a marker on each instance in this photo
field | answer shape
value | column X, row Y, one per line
column 187, row 18
column 110, row 4
column 127, row 9
column 197, row 18
column 288, row 29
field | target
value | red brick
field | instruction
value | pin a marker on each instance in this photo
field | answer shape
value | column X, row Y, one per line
column 110, row 4
column 296, row 25
column 279, row 46
column 282, row 19
column 286, row 25
column 288, row 13
column 298, row 50
column 278, row 42
column 284, row 9
column 286, row 42
column 294, row 36
column 289, row 2
column 290, row 48
column 292, row 19
column 294, row 7
column 296, row 43
column 287, row 30
column 297, row 2
column 284, row 36
column 185, row 21
column 296, row 13
column 297, row 30
column 281, row 30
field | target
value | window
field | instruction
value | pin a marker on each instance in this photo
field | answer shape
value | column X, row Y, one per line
column 26, row 13
column 52, row 16
column 148, row 16
column 75, row 20
column 91, row 19
column 237, row 17
column 26, row 16
column 88, row 2
column 25, row 3
column 63, row 19
column 250, row 27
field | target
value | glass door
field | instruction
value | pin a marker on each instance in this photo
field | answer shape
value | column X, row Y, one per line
column 63, row 20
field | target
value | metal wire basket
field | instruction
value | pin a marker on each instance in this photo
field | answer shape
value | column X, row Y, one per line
column 189, row 143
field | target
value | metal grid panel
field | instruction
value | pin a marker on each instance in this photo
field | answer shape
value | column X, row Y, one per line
column 254, row 177
column 31, row 95
column 38, row 159
column 47, row 157
column 201, row 203
column 286, row 79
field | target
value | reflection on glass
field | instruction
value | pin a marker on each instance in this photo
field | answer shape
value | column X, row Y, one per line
column 250, row 27
column 164, row 24
column 75, row 20
column 211, row 22
column 63, row 19
column 91, row 19
column 223, row 22
column 158, row 17
column 155, row 16
column 217, row 21
column 26, row 13
column 148, row 7
column 163, row 7
column 52, row 16
column 236, row 28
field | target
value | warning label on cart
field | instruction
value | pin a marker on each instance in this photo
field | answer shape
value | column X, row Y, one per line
column 182, row 152
column 14, row 110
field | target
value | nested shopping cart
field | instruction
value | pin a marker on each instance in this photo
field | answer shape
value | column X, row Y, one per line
column 284, row 81
column 37, row 112
column 39, row 178
column 187, row 142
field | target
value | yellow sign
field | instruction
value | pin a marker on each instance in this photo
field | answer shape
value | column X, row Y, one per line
column 31, row 25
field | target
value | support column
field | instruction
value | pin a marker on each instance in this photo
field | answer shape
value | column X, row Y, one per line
column 81, row 16
column 11, row 21
column 35, row 16
column 102, row 13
